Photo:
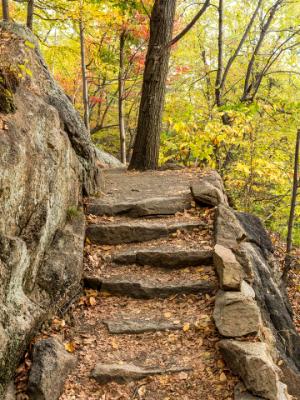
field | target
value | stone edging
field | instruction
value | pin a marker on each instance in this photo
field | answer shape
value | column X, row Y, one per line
column 250, row 346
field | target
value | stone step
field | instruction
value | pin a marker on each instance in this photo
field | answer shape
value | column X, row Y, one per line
column 141, row 325
column 137, row 231
column 154, row 206
column 164, row 256
column 122, row 373
column 147, row 289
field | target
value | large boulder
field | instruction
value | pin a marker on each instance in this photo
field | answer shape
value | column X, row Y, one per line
column 209, row 190
column 47, row 162
column 252, row 363
column 51, row 364
column 235, row 314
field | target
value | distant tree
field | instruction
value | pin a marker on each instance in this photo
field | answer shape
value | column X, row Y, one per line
column 85, row 93
column 30, row 9
column 289, row 241
column 5, row 10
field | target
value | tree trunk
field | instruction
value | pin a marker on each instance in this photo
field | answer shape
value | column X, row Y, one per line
column 220, row 56
column 248, row 85
column 289, row 241
column 5, row 10
column 85, row 94
column 30, row 8
column 146, row 148
column 121, row 100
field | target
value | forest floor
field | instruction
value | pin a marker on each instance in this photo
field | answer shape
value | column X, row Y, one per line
column 181, row 335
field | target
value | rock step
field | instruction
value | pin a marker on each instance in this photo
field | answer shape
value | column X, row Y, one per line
column 165, row 256
column 142, row 325
column 136, row 231
column 155, row 206
column 122, row 373
column 146, row 289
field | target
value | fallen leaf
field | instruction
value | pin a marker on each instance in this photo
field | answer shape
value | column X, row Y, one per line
column 223, row 377
column 92, row 301
column 70, row 347
column 183, row 376
column 186, row 327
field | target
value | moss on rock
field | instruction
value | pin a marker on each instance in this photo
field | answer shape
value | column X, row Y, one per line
column 8, row 86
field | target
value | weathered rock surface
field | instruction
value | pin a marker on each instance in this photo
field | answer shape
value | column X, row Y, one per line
column 137, row 231
column 251, row 362
column 123, row 373
column 148, row 207
column 164, row 256
column 46, row 161
column 229, row 270
column 235, row 314
column 246, row 236
column 135, row 326
column 148, row 289
column 51, row 364
column 241, row 393
column 209, row 190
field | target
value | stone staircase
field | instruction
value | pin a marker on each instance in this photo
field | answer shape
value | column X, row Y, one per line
column 153, row 324
column 149, row 264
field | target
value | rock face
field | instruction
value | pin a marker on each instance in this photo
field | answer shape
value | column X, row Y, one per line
column 46, row 162
column 51, row 365
column 235, row 314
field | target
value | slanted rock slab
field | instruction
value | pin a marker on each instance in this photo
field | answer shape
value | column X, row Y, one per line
column 155, row 206
column 235, row 314
column 253, row 364
column 122, row 373
column 135, row 326
column 137, row 231
column 229, row 270
column 144, row 289
column 164, row 256
column 51, row 365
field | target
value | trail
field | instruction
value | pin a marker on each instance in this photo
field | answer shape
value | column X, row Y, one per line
column 144, row 329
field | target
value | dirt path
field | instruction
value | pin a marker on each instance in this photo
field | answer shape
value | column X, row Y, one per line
column 143, row 329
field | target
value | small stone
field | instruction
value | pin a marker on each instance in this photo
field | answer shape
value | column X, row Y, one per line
column 247, row 290
column 229, row 270
column 236, row 315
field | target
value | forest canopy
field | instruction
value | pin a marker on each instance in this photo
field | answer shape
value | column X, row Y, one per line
column 232, row 95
